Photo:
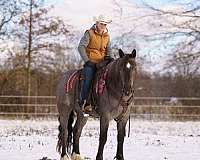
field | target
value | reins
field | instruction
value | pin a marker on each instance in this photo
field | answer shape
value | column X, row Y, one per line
column 125, row 105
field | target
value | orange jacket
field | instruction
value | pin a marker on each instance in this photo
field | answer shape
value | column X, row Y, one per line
column 97, row 47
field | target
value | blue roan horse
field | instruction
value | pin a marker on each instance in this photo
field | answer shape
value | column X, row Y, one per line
column 114, row 103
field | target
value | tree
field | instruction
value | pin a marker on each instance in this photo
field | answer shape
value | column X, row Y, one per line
column 8, row 10
column 40, row 36
column 180, row 29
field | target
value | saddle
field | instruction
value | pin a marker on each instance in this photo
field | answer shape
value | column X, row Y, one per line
column 97, row 87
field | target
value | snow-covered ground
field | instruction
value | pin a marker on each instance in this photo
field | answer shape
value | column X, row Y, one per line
column 35, row 139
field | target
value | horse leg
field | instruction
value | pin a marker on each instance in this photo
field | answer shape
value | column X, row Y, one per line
column 77, row 130
column 121, row 132
column 63, row 135
column 104, row 123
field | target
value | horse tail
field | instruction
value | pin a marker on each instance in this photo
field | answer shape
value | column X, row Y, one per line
column 70, row 131
column 60, row 137
column 61, row 134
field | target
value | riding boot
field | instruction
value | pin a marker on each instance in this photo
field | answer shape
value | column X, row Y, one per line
column 86, row 107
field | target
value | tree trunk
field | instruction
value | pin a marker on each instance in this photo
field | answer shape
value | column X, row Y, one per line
column 29, row 54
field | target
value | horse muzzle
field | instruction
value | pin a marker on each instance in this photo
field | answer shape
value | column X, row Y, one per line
column 128, row 91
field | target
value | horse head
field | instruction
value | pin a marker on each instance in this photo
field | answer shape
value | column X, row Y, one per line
column 127, row 71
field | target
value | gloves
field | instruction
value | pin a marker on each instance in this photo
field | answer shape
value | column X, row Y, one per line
column 90, row 64
column 108, row 58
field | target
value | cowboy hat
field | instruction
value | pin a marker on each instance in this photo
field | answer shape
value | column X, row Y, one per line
column 102, row 19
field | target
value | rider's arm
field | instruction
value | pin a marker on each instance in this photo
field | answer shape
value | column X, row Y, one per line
column 108, row 48
column 82, row 46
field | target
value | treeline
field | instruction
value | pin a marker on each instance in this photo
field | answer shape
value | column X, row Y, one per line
column 168, row 85
column 13, row 81
column 43, row 83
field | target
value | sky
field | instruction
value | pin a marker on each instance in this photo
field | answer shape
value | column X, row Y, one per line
column 161, row 3
column 156, row 3
column 53, row 1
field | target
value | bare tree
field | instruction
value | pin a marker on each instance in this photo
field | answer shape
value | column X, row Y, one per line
column 39, row 34
column 8, row 10
column 182, row 27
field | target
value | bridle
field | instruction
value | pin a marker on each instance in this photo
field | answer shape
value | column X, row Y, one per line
column 125, row 103
column 124, row 100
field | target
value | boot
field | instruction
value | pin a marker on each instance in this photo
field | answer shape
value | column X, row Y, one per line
column 86, row 108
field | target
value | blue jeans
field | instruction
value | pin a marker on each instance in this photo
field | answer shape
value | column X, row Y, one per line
column 88, row 73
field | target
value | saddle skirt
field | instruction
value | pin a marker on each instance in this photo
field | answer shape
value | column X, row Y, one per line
column 70, row 83
column 98, row 85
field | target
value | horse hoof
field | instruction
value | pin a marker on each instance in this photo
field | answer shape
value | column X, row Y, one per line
column 66, row 157
column 76, row 156
column 115, row 158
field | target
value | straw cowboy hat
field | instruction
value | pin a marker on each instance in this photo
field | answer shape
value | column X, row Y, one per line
column 102, row 19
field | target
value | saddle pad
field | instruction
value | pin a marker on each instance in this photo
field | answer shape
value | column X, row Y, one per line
column 101, row 83
column 99, row 86
column 71, row 81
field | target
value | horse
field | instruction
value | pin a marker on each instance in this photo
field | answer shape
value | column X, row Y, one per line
column 114, row 103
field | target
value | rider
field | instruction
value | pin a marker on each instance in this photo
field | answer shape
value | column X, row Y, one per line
column 93, row 48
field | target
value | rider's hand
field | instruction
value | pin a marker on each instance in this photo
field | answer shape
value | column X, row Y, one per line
column 108, row 58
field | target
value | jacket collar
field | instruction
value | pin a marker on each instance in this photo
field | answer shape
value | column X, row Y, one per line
column 94, row 27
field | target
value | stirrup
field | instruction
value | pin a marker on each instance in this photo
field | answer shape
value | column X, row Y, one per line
column 88, row 108
column 85, row 107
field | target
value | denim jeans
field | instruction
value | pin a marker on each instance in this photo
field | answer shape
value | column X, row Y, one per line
column 88, row 73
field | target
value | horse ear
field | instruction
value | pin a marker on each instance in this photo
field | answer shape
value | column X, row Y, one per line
column 133, row 54
column 121, row 53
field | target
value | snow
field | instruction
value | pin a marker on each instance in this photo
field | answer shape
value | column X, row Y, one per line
column 149, row 140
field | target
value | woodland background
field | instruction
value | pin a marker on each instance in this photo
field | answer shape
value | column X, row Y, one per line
column 36, row 47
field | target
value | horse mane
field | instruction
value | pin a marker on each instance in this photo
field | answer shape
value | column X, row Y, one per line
column 113, row 74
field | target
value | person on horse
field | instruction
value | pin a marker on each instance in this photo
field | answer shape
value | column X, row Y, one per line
column 94, row 47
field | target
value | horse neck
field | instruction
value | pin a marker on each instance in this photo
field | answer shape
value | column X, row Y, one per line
column 113, row 82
